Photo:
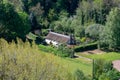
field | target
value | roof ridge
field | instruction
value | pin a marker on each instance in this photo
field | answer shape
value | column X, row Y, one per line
column 60, row 34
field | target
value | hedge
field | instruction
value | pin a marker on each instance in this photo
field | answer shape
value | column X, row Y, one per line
column 85, row 47
column 55, row 51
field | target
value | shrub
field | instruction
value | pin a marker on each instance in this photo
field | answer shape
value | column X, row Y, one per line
column 22, row 61
column 110, row 75
column 103, row 70
column 79, row 75
column 93, row 31
column 61, row 51
column 90, row 46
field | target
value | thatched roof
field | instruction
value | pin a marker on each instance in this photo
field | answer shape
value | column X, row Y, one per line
column 58, row 37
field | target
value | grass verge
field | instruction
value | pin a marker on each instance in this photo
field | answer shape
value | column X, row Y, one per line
column 106, row 56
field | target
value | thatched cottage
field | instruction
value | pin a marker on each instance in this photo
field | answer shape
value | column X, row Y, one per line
column 57, row 39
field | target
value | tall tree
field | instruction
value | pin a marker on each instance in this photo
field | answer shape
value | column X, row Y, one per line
column 13, row 24
column 111, row 32
column 25, row 6
column 33, row 21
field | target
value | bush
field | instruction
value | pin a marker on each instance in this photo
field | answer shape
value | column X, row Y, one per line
column 110, row 75
column 93, row 31
column 103, row 70
column 61, row 51
column 22, row 61
column 14, row 24
column 79, row 75
column 90, row 46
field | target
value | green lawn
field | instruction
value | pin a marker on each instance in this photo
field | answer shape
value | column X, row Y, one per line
column 106, row 56
column 73, row 64
column 83, row 64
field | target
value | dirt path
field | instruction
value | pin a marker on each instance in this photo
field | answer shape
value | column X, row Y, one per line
column 96, row 51
column 78, row 56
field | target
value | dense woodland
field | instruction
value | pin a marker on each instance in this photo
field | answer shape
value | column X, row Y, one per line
column 90, row 21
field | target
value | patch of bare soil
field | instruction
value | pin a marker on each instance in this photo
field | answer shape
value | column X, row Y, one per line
column 96, row 51
column 116, row 64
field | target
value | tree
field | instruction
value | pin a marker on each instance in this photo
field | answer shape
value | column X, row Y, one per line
column 24, row 25
column 37, row 10
column 25, row 6
column 63, row 25
column 95, row 10
column 33, row 21
column 99, row 67
column 111, row 33
column 16, row 3
column 93, row 31
column 14, row 24
column 24, row 61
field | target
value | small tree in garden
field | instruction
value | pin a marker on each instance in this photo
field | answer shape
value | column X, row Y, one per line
column 64, row 51
column 93, row 31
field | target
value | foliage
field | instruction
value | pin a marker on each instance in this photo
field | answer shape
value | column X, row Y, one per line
column 16, row 3
column 112, row 29
column 79, row 75
column 23, row 61
column 85, row 47
column 70, row 63
column 69, row 25
column 102, row 68
column 38, row 12
column 95, row 10
column 68, row 17
column 33, row 21
column 98, row 66
column 63, row 25
column 65, row 51
column 31, row 36
column 82, row 40
column 14, row 24
column 62, row 50
column 24, row 28
column 93, row 31
column 110, row 75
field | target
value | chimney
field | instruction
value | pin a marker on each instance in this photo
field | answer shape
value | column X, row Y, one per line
column 72, row 40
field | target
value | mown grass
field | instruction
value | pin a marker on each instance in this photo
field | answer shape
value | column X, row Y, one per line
column 106, row 56
column 71, row 64
column 74, row 64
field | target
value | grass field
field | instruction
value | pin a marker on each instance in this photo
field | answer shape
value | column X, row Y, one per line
column 84, row 64
column 106, row 56
column 73, row 64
